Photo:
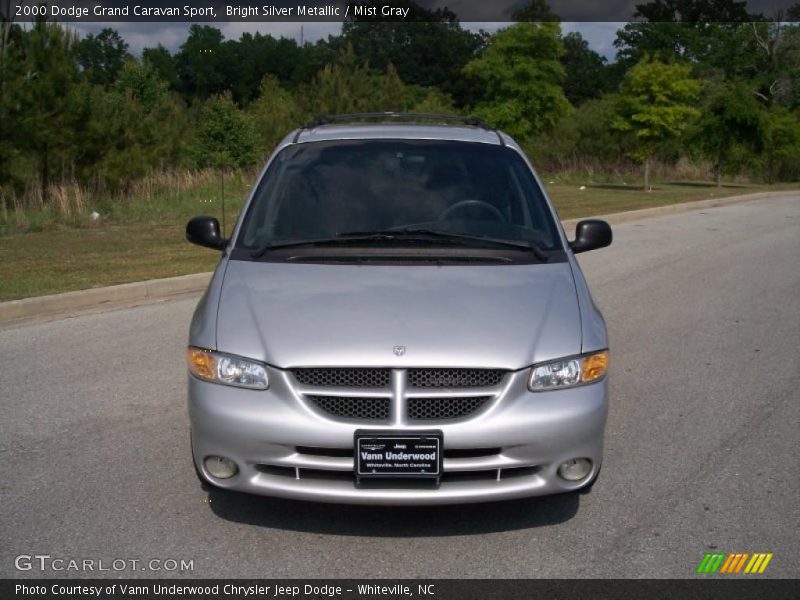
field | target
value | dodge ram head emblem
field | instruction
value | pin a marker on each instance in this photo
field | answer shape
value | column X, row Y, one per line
column 399, row 350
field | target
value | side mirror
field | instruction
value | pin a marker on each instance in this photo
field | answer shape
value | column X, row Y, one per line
column 204, row 231
column 590, row 235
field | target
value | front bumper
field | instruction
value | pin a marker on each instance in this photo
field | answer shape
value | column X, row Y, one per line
column 284, row 448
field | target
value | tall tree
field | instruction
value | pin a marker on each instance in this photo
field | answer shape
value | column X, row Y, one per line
column 656, row 105
column 12, row 73
column 225, row 137
column 775, row 64
column 729, row 129
column 274, row 113
column 349, row 86
column 429, row 48
column 587, row 75
column 720, row 38
column 520, row 77
column 101, row 56
column 700, row 31
column 201, row 64
column 536, row 11
column 163, row 62
column 41, row 84
column 781, row 156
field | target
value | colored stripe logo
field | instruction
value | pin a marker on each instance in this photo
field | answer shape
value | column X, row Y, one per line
column 734, row 563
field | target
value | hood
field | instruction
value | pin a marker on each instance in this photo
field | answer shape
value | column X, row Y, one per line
column 315, row 315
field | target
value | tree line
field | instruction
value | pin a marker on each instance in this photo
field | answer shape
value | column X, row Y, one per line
column 723, row 90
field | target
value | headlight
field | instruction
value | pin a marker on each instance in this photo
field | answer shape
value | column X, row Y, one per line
column 568, row 372
column 226, row 369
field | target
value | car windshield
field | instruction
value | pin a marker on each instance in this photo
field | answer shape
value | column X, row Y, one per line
column 322, row 190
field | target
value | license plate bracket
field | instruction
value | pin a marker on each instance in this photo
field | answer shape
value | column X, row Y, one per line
column 398, row 455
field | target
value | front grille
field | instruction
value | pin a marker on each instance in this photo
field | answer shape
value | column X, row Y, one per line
column 434, row 409
column 353, row 408
column 363, row 394
column 310, row 474
column 359, row 378
column 454, row 378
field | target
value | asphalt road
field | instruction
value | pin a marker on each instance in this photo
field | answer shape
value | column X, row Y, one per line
column 702, row 448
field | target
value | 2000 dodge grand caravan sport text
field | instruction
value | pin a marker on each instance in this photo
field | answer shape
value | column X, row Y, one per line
column 398, row 318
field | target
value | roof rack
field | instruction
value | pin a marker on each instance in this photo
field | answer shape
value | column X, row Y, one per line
column 405, row 116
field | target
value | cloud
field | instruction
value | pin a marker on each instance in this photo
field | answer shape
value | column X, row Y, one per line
column 171, row 35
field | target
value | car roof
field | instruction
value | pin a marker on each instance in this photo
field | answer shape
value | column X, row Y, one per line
column 410, row 131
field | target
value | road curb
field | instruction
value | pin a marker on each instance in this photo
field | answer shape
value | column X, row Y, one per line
column 141, row 292
column 671, row 209
column 114, row 296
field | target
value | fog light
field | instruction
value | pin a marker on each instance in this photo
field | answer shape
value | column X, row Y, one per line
column 575, row 469
column 220, row 467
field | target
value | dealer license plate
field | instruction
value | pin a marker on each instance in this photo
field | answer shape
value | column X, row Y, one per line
column 386, row 454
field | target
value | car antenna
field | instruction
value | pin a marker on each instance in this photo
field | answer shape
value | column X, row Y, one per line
column 222, row 191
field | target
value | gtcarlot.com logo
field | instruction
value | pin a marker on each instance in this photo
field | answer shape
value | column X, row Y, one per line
column 45, row 562
column 735, row 563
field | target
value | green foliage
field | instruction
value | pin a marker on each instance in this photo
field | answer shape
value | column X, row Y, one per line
column 86, row 114
column 519, row 78
column 348, row 86
column 124, row 132
column 587, row 75
column 535, row 11
column 426, row 53
column 102, row 56
column 730, row 127
column 780, row 160
column 224, row 136
column 273, row 114
column 720, row 39
column 701, row 31
column 656, row 103
column 775, row 64
column 586, row 136
column 164, row 64
column 41, row 84
column 142, row 82
column 655, row 106
column 201, row 63
column 246, row 62
column 430, row 100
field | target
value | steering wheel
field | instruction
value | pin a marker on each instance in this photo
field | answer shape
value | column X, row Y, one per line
column 467, row 204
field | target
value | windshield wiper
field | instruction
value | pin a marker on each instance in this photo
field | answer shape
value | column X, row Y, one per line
column 341, row 238
column 389, row 235
column 424, row 233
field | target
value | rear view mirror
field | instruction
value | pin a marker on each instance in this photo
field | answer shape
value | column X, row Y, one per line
column 591, row 234
column 204, row 231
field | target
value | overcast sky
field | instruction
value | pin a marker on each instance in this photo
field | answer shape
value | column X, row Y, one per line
column 141, row 35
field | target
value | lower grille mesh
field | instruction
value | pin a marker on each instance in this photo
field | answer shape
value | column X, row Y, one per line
column 353, row 408
column 430, row 409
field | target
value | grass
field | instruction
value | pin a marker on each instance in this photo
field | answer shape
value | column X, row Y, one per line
column 144, row 239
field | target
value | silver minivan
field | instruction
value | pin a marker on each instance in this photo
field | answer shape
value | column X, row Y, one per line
column 398, row 318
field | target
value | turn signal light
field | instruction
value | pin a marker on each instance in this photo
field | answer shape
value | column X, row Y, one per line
column 201, row 363
column 595, row 366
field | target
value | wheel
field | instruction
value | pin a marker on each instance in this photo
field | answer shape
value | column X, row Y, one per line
column 469, row 204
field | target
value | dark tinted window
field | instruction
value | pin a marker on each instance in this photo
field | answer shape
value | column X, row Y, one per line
column 321, row 189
